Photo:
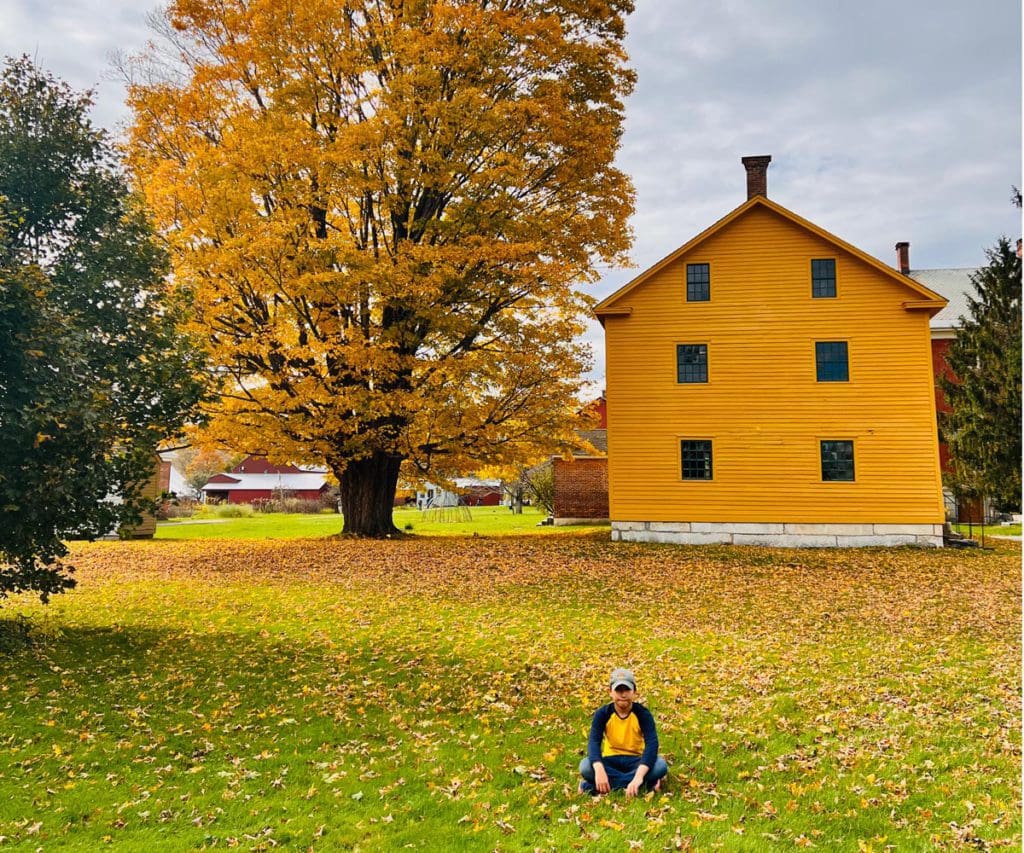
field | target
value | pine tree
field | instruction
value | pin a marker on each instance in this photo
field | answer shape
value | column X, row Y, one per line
column 983, row 428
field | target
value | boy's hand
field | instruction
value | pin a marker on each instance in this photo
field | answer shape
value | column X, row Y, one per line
column 601, row 779
column 633, row 788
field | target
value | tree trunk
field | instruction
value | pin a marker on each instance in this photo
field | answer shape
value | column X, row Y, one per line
column 367, row 489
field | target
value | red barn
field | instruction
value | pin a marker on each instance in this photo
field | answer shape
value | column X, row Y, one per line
column 256, row 479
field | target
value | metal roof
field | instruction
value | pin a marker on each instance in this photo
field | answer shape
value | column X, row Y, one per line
column 955, row 285
column 258, row 482
column 476, row 483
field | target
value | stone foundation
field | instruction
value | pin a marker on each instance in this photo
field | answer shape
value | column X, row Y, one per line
column 778, row 535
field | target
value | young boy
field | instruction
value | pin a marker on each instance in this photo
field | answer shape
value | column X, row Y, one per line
column 622, row 751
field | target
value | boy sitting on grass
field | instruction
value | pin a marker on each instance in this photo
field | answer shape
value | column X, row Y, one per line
column 622, row 751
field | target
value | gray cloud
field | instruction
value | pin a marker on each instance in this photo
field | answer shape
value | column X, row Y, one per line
column 886, row 120
column 75, row 40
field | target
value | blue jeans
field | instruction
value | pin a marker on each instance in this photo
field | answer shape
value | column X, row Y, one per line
column 620, row 770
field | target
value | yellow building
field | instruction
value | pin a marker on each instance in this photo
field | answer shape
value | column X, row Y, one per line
column 768, row 383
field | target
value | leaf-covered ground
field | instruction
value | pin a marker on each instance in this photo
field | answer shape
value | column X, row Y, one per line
column 436, row 694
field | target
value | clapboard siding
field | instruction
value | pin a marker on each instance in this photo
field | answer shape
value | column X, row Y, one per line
column 151, row 490
column 762, row 406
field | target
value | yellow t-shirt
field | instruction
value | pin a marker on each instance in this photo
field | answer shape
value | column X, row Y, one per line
column 622, row 736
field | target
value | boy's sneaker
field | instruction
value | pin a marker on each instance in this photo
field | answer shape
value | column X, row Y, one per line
column 586, row 787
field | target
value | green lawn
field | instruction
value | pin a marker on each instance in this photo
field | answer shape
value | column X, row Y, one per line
column 484, row 521
column 435, row 693
column 975, row 530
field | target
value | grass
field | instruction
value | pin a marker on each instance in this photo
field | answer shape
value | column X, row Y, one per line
column 485, row 521
column 989, row 529
column 436, row 692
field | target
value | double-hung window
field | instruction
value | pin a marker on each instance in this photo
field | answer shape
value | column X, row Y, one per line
column 823, row 278
column 832, row 361
column 696, row 458
column 837, row 461
column 691, row 363
column 698, row 282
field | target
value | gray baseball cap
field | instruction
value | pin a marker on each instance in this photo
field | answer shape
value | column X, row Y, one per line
column 622, row 677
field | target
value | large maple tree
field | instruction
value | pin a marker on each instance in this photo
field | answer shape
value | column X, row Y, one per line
column 382, row 213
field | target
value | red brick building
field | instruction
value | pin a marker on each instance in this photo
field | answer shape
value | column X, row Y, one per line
column 581, row 484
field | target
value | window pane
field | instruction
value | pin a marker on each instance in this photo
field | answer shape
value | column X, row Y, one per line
column 823, row 278
column 692, row 363
column 832, row 360
column 696, row 457
column 837, row 460
column 698, row 282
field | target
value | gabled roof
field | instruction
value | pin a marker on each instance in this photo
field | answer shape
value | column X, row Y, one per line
column 464, row 483
column 262, row 465
column 952, row 284
column 301, row 482
column 476, row 483
column 919, row 297
column 597, row 438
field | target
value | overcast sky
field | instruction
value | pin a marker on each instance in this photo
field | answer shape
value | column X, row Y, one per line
column 886, row 120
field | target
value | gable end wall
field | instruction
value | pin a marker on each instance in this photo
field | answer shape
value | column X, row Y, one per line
column 762, row 406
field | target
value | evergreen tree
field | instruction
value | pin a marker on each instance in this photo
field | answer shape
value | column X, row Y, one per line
column 92, row 372
column 983, row 428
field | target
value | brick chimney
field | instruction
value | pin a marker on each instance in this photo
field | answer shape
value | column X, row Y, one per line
column 903, row 257
column 757, row 174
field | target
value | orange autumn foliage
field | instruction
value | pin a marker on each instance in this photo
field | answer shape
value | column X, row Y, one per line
column 382, row 213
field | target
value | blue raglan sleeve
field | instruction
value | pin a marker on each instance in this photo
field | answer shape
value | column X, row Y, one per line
column 597, row 726
column 650, row 733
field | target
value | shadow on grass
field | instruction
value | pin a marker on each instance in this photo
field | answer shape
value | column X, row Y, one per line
column 21, row 634
column 173, row 672
column 16, row 634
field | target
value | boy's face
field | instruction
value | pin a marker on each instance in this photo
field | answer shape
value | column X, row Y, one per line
column 623, row 697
